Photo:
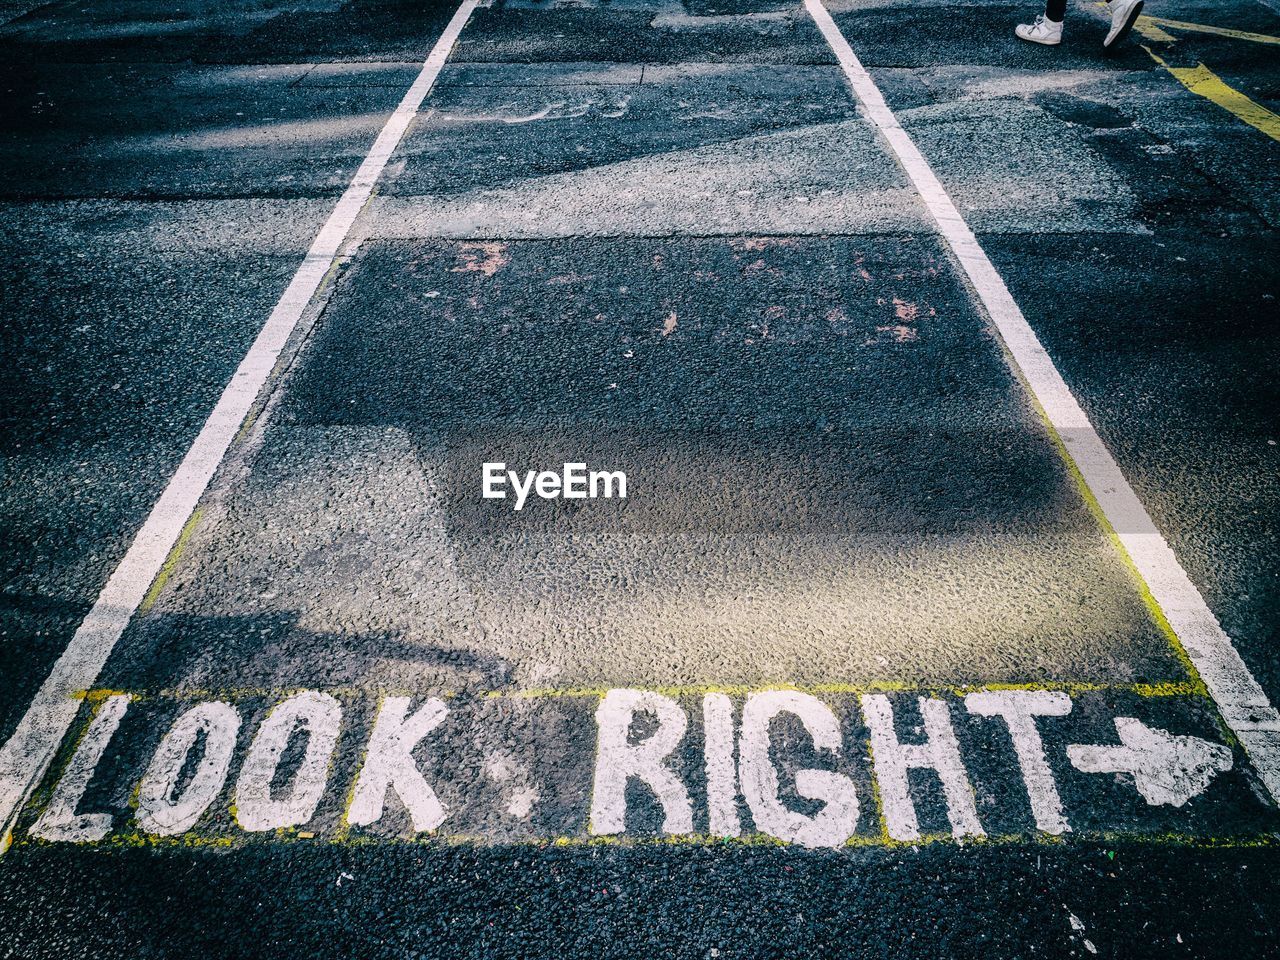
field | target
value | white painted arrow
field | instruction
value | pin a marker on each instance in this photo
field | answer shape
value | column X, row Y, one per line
column 1167, row 769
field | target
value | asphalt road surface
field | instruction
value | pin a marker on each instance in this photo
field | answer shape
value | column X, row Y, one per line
column 720, row 478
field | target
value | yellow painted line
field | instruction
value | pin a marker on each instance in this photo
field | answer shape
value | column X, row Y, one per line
column 1076, row 839
column 171, row 561
column 1203, row 82
column 1171, row 688
column 1195, row 686
column 284, row 363
column 1204, row 28
column 1147, row 28
column 1176, row 688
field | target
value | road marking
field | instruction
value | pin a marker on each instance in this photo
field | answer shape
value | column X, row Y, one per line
column 722, row 773
column 168, row 803
column 618, row 761
column 389, row 765
column 939, row 752
column 1204, row 28
column 842, row 754
column 1240, row 699
column 1166, row 769
column 257, row 806
column 28, row 752
column 837, row 819
column 60, row 821
column 1018, row 709
column 1203, row 82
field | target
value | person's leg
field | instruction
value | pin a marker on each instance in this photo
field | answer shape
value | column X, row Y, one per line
column 1123, row 15
column 1047, row 28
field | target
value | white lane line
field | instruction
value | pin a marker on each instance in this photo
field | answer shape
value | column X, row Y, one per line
column 27, row 754
column 1241, row 701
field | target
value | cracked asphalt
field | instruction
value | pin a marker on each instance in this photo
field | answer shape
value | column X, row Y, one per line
column 659, row 237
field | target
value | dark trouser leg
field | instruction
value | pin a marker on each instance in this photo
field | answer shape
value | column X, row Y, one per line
column 1055, row 10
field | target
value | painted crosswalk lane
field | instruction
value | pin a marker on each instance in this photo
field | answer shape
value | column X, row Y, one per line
column 660, row 441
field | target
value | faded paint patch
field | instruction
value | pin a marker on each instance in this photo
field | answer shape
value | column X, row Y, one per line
column 899, row 333
column 566, row 279
column 905, row 311
column 487, row 257
column 759, row 244
column 512, row 776
column 607, row 106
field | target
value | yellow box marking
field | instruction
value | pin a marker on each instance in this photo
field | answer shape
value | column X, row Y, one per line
column 1148, row 28
column 1154, row 23
column 1203, row 82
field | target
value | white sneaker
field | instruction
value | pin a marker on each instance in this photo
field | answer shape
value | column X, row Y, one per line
column 1123, row 15
column 1045, row 30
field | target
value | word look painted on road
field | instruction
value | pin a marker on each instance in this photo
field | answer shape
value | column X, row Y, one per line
column 782, row 763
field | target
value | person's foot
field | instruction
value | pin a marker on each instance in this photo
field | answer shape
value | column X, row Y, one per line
column 1046, row 31
column 1123, row 15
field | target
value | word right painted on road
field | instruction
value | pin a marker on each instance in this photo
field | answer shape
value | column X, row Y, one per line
column 812, row 768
